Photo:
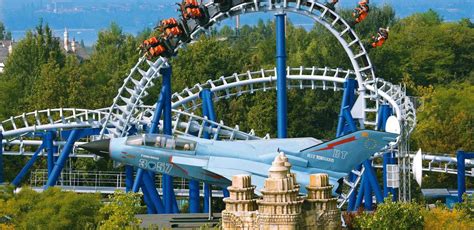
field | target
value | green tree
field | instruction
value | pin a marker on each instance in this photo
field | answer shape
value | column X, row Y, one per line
column 101, row 75
column 423, row 50
column 23, row 67
column 51, row 209
column 4, row 34
column 445, row 120
column 120, row 211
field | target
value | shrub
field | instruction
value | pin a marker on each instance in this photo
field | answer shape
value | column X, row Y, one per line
column 442, row 218
column 120, row 212
column 392, row 215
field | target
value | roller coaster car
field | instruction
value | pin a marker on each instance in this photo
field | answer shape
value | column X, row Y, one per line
column 154, row 47
column 222, row 6
column 194, row 15
column 172, row 28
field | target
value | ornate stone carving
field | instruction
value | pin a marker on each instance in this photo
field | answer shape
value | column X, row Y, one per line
column 281, row 207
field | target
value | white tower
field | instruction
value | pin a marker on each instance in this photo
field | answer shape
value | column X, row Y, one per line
column 66, row 40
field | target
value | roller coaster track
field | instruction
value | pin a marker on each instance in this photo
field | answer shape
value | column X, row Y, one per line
column 16, row 128
column 298, row 78
column 225, row 87
column 137, row 83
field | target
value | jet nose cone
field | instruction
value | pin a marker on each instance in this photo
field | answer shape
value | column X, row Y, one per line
column 99, row 148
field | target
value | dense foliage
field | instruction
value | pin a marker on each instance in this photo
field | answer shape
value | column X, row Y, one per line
column 120, row 211
column 51, row 209
column 394, row 215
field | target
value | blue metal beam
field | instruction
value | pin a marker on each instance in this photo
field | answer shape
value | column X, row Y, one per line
column 206, row 96
column 348, row 100
column 170, row 204
column 461, row 157
column 360, row 195
column 128, row 178
column 372, row 178
column 58, row 167
column 152, row 193
column 282, row 98
column 194, row 206
column 349, row 121
column 49, row 138
column 16, row 182
column 207, row 195
column 367, row 193
column 2, row 178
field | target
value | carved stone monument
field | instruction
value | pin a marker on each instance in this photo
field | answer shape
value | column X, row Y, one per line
column 281, row 207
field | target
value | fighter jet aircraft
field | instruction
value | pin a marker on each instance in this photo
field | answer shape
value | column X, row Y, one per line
column 215, row 161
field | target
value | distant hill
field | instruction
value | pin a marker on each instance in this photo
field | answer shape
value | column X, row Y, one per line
column 84, row 18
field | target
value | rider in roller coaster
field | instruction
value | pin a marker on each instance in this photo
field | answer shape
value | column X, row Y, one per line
column 172, row 31
column 361, row 11
column 195, row 14
column 379, row 40
column 190, row 9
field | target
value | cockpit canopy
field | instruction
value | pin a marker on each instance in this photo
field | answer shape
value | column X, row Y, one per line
column 162, row 141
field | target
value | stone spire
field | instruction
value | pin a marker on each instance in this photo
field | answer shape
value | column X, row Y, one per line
column 240, row 206
column 322, row 211
column 280, row 207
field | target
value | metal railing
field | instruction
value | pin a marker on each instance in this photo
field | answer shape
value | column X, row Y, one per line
column 94, row 179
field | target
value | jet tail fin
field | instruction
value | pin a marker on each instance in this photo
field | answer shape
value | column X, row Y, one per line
column 344, row 153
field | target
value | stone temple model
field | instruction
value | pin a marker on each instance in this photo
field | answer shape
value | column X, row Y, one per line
column 281, row 206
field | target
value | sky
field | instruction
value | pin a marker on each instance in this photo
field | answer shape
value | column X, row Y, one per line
column 84, row 18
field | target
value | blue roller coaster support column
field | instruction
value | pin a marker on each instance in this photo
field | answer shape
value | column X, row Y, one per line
column 194, row 206
column 367, row 194
column 16, row 182
column 128, row 178
column 151, row 200
column 138, row 183
column 360, row 195
column 170, row 203
column 282, row 99
column 348, row 100
column 461, row 162
column 58, row 167
column 207, row 197
column 152, row 194
column 49, row 145
column 209, row 112
column 2, row 179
